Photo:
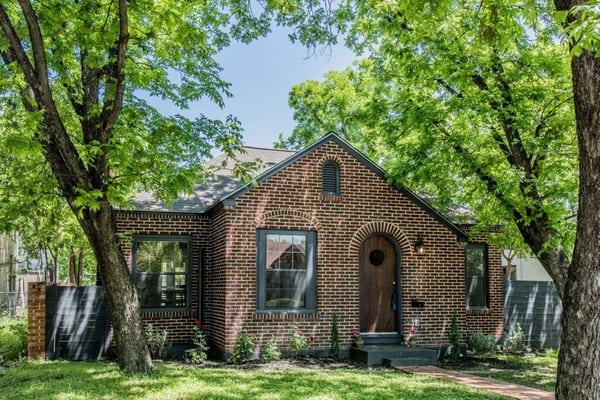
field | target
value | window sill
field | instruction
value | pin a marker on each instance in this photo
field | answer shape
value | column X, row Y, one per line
column 330, row 198
column 281, row 315
column 478, row 311
column 166, row 312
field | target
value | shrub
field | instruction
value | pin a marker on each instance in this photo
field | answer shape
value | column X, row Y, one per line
column 454, row 338
column 243, row 348
column 335, row 351
column 270, row 351
column 197, row 354
column 13, row 339
column 158, row 344
column 299, row 343
column 516, row 341
column 481, row 343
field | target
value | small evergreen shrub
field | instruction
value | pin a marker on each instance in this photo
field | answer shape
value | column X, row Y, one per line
column 481, row 343
column 197, row 354
column 243, row 348
column 516, row 341
column 13, row 339
column 270, row 351
column 158, row 343
column 454, row 338
column 299, row 343
column 335, row 351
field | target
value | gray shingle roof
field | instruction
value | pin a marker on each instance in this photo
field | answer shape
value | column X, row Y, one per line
column 223, row 182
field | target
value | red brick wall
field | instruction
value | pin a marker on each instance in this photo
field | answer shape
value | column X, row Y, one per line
column 292, row 199
column 213, row 285
column 129, row 223
column 36, row 320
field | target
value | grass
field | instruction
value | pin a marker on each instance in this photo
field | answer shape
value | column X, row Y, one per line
column 537, row 371
column 95, row 380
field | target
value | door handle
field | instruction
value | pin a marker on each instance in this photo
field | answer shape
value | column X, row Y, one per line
column 394, row 305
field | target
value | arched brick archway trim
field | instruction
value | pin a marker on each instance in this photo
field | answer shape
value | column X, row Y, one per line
column 263, row 219
column 383, row 227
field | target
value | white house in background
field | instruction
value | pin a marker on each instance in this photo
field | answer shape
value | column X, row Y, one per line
column 525, row 268
column 16, row 271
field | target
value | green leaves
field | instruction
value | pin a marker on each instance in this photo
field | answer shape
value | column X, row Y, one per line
column 582, row 26
column 468, row 101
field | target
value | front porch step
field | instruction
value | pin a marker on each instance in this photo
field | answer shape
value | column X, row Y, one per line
column 382, row 339
column 376, row 354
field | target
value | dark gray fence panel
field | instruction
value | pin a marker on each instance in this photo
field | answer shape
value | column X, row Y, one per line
column 76, row 322
column 536, row 307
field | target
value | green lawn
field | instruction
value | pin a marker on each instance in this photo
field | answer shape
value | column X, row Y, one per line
column 538, row 371
column 71, row 380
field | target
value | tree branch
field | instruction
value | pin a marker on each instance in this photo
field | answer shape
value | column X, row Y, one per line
column 112, row 109
column 37, row 43
column 16, row 49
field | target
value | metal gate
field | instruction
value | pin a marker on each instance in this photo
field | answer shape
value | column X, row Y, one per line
column 76, row 322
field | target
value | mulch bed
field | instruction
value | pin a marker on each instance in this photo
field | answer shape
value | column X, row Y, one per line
column 469, row 362
column 286, row 364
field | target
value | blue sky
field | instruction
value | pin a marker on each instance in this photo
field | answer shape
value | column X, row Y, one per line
column 262, row 74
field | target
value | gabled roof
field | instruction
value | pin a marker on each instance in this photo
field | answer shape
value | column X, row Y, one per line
column 225, row 188
column 224, row 182
column 333, row 137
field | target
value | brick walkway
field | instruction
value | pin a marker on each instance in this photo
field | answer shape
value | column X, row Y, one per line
column 503, row 388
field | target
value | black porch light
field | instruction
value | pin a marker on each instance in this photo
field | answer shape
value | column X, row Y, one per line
column 420, row 245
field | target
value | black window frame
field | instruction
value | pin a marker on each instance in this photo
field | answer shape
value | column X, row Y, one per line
column 335, row 192
column 261, row 280
column 188, row 273
column 486, row 294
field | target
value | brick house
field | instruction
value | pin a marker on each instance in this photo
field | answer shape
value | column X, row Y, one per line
column 321, row 231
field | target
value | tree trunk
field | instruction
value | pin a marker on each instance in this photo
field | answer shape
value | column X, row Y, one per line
column 71, row 263
column 79, row 266
column 579, row 359
column 132, row 352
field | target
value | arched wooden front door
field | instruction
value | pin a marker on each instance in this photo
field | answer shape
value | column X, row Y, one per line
column 377, row 281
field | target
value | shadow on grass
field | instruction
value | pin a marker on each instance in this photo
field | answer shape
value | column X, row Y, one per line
column 83, row 380
column 533, row 370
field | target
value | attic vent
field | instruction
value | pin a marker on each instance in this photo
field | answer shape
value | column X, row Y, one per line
column 331, row 178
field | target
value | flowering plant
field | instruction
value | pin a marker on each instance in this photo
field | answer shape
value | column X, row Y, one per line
column 356, row 338
column 299, row 342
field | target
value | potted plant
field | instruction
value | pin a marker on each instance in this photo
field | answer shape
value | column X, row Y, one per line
column 358, row 340
column 411, row 340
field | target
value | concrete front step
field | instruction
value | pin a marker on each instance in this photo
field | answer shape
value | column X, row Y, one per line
column 375, row 354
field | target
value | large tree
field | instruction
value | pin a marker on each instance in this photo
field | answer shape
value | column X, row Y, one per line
column 73, row 79
column 489, row 90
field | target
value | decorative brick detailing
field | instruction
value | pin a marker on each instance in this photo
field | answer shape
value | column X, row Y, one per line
column 36, row 320
column 380, row 227
column 286, row 316
column 286, row 214
column 331, row 157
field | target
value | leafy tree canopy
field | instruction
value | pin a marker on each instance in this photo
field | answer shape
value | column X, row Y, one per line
column 170, row 55
column 468, row 101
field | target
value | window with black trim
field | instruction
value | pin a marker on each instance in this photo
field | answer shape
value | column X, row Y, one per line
column 286, row 270
column 476, row 276
column 161, row 267
column 331, row 178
